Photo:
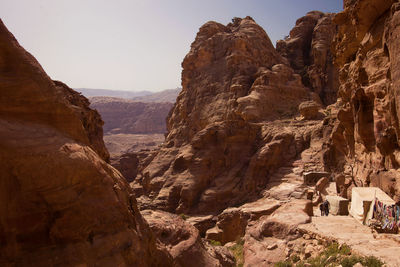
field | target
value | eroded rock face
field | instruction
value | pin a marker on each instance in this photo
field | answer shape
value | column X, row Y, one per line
column 54, row 103
column 61, row 203
column 364, row 140
column 225, row 130
column 268, row 240
column 308, row 49
column 309, row 110
column 184, row 242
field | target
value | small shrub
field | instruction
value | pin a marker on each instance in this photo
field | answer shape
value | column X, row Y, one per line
column 350, row 261
column 215, row 242
column 333, row 255
column 183, row 216
column 283, row 264
column 372, row 261
column 237, row 251
column 335, row 249
column 295, row 258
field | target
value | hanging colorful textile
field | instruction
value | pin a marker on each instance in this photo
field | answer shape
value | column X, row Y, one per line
column 387, row 215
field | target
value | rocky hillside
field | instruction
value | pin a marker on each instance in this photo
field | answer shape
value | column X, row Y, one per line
column 131, row 117
column 365, row 125
column 232, row 126
column 61, row 203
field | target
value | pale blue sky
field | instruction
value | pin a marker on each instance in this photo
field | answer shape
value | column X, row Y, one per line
column 136, row 44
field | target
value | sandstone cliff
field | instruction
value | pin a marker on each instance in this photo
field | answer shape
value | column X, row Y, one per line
column 232, row 125
column 365, row 125
column 308, row 49
column 131, row 117
column 61, row 203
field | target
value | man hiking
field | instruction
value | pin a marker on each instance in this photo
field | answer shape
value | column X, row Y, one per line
column 321, row 208
column 326, row 207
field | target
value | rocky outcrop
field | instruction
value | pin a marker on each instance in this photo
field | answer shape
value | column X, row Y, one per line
column 131, row 117
column 130, row 164
column 184, row 242
column 60, row 202
column 310, row 110
column 227, row 130
column 269, row 240
column 53, row 103
column 365, row 126
column 308, row 49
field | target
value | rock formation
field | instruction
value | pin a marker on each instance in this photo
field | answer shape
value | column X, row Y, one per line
column 61, row 203
column 365, row 126
column 184, row 242
column 131, row 117
column 231, row 126
column 308, row 49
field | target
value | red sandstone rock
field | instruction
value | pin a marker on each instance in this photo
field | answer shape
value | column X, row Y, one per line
column 364, row 140
column 224, row 141
column 278, row 229
column 309, row 110
column 307, row 48
column 321, row 184
column 183, row 241
column 61, row 203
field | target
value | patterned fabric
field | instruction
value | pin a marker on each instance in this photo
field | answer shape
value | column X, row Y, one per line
column 387, row 215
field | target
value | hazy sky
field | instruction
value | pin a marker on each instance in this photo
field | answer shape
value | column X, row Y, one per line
column 136, row 44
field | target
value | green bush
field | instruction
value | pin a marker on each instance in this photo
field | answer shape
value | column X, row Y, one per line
column 283, row 264
column 183, row 216
column 237, row 251
column 333, row 255
column 372, row 261
column 215, row 243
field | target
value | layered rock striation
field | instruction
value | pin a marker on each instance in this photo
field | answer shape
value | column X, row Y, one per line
column 61, row 202
column 231, row 126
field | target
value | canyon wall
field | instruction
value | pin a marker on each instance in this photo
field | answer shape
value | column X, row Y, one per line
column 365, row 127
column 60, row 202
column 131, row 117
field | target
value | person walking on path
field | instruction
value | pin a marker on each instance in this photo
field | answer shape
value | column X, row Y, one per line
column 322, row 209
column 326, row 207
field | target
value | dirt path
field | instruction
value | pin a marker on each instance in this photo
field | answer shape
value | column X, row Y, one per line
column 345, row 229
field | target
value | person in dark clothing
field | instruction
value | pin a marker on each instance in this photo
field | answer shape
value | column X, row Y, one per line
column 326, row 207
column 321, row 207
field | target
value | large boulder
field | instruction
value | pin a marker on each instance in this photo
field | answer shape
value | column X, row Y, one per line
column 183, row 241
column 309, row 110
column 267, row 241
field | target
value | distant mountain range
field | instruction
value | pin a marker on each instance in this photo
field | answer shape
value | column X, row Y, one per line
column 112, row 93
column 168, row 95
